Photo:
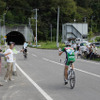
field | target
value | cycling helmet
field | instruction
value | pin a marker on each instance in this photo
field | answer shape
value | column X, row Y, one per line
column 68, row 44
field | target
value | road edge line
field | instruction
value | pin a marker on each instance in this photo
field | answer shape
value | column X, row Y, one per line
column 47, row 97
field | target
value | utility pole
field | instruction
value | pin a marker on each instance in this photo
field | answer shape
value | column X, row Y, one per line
column 92, row 22
column 36, row 27
column 57, row 38
column 51, row 32
column 4, row 19
column 36, row 24
column 85, row 19
column 5, row 15
column 30, row 22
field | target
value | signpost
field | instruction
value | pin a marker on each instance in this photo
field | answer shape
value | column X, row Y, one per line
column 5, row 37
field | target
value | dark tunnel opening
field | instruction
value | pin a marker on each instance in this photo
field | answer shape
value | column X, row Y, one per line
column 16, row 37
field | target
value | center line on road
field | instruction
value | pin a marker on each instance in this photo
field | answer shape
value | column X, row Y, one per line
column 92, row 62
column 34, row 55
column 47, row 97
column 86, row 72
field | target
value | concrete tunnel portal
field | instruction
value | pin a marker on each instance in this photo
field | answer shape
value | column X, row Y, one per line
column 15, row 36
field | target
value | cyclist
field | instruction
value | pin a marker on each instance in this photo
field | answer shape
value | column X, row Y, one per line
column 70, row 57
column 25, row 47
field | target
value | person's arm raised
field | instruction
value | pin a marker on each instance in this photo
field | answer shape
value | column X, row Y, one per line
column 7, row 53
column 60, row 53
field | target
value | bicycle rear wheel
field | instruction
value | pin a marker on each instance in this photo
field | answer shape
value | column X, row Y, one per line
column 25, row 54
column 72, row 79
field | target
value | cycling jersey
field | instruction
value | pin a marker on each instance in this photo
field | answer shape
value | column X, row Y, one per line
column 70, row 56
column 25, row 45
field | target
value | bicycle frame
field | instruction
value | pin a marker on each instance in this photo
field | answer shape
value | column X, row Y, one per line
column 71, row 76
column 69, row 69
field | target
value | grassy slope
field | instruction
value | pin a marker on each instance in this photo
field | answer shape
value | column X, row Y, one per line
column 49, row 45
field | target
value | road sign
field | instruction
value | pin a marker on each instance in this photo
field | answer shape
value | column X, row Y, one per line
column 5, row 37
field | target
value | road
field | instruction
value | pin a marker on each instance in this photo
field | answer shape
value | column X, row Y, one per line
column 98, row 51
column 40, row 77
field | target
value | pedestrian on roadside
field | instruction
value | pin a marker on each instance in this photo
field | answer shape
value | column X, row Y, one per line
column 35, row 40
column 87, row 51
column 75, row 46
column 78, row 46
column 9, row 63
column 94, row 51
column 79, row 53
column 2, row 55
column 91, row 51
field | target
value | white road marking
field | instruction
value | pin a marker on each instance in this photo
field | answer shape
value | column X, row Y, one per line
column 89, row 61
column 11, row 86
column 86, row 72
column 47, row 97
column 14, row 93
column 34, row 55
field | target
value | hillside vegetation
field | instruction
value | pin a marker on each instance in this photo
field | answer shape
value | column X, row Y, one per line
column 19, row 12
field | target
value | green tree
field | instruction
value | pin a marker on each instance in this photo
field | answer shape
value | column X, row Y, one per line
column 2, row 7
column 82, row 13
column 20, row 10
column 83, row 3
column 90, row 35
column 95, row 5
column 9, row 17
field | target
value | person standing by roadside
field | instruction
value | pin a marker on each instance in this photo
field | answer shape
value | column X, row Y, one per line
column 87, row 51
column 79, row 53
column 91, row 51
column 78, row 46
column 2, row 55
column 9, row 63
column 35, row 39
column 75, row 46
column 94, row 51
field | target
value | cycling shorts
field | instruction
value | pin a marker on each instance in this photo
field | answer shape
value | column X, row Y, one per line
column 67, row 62
column 25, row 50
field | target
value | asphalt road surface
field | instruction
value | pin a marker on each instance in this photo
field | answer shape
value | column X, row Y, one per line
column 98, row 51
column 40, row 77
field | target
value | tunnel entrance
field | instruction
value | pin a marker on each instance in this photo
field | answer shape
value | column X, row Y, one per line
column 16, row 37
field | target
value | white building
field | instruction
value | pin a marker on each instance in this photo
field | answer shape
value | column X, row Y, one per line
column 74, row 30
